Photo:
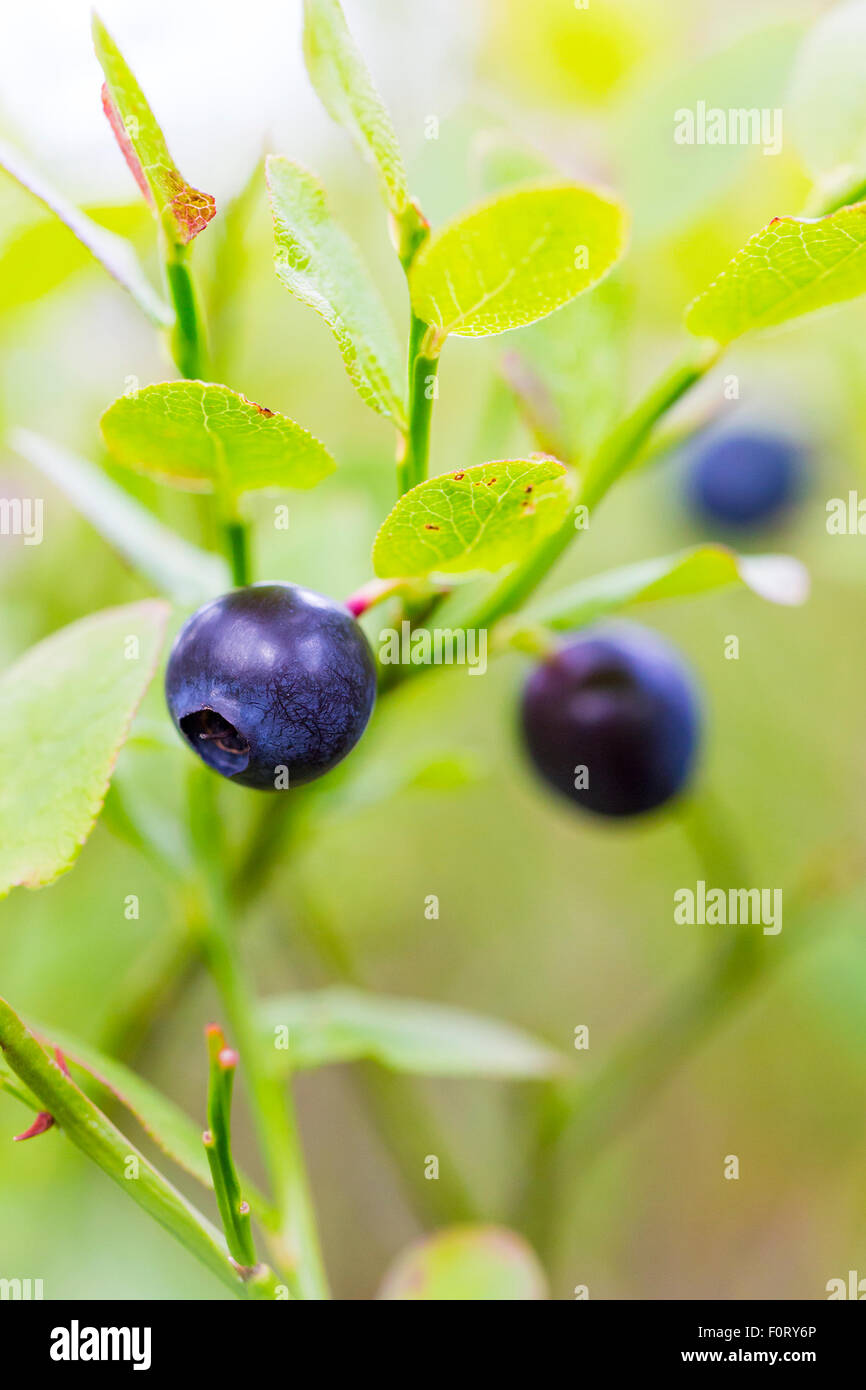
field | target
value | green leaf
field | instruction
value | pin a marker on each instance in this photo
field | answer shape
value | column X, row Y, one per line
column 479, row 1263
column 826, row 104
column 515, row 259
column 170, row 1129
column 182, row 210
column 208, row 438
column 178, row 569
column 794, row 266
column 777, row 578
column 322, row 267
column 404, row 1035
column 65, row 711
column 346, row 90
column 94, row 1134
column 481, row 518
column 113, row 252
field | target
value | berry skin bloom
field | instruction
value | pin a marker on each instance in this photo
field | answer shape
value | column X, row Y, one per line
column 612, row 721
column 743, row 480
column 271, row 685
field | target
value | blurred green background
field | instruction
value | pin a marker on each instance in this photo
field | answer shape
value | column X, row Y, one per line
column 547, row 919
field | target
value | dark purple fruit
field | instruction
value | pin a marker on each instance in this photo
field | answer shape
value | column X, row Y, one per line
column 612, row 721
column 271, row 685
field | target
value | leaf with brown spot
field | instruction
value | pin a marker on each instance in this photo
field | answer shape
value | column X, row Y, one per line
column 182, row 209
column 473, row 521
column 204, row 437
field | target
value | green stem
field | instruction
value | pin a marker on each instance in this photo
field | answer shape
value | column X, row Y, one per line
column 188, row 343
column 234, row 1211
column 624, row 443
column 296, row 1242
column 94, row 1134
column 412, row 463
column 237, row 544
column 612, row 459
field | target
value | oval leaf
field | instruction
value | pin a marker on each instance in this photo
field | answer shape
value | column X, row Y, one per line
column 322, row 267
column 794, row 266
column 479, row 519
column 182, row 209
column 827, row 99
column 483, row 1263
column 778, row 578
column 405, row 1035
column 347, row 92
column 205, row 438
column 65, row 710
column 515, row 259
column 178, row 569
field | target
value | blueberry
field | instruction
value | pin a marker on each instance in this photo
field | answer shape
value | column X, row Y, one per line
column 612, row 720
column 744, row 479
column 268, row 678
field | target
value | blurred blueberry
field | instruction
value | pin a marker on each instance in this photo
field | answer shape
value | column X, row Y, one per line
column 744, row 479
column 612, row 720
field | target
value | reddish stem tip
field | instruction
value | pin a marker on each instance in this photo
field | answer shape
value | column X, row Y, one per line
column 42, row 1122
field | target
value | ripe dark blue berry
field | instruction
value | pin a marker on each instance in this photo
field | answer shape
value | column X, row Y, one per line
column 612, row 721
column 744, row 479
column 272, row 685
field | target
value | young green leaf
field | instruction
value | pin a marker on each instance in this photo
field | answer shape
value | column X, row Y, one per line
column 827, row 99
column 322, row 267
column 94, row 1134
column 479, row 1263
column 405, row 1035
column 778, row 578
column 113, row 252
column 794, row 266
column 346, row 90
column 182, row 210
column 207, row 438
column 65, row 710
column 515, row 259
column 178, row 569
column 478, row 519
